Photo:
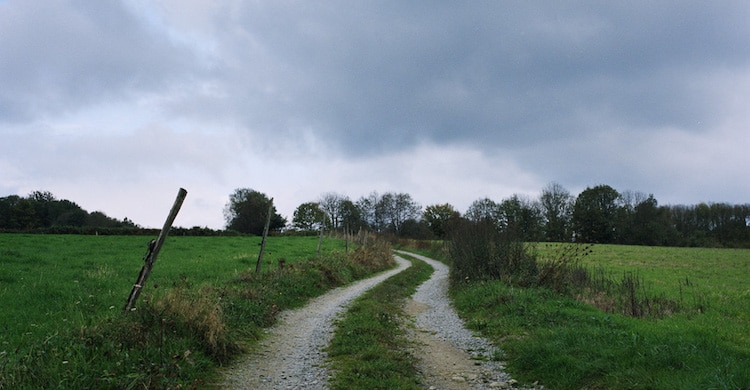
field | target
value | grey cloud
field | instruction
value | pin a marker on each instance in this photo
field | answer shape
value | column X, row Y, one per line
column 59, row 56
column 384, row 75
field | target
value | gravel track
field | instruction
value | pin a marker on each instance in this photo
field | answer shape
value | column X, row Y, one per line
column 291, row 355
column 451, row 356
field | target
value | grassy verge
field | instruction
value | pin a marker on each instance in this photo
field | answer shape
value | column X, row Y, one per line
column 61, row 320
column 567, row 344
column 368, row 350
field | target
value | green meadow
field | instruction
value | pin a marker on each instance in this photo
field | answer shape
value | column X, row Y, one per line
column 565, row 343
column 52, row 282
column 61, row 324
column 62, row 297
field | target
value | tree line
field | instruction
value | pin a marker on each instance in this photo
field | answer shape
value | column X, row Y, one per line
column 41, row 211
column 599, row 214
column 395, row 213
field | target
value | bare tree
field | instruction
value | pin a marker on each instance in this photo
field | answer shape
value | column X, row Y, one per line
column 483, row 210
column 557, row 209
column 332, row 204
column 395, row 208
column 367, row 210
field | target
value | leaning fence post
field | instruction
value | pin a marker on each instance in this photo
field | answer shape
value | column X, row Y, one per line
column 153, row 251
column 265, row 234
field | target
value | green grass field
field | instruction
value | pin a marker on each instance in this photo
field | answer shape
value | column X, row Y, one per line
column 61, row 324
column 62, row 298
column 717, row 280
column 566, row 344
column 54, row 282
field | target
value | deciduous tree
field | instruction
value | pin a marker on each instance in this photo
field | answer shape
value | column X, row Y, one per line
column 557, row 210
column 308, row 217
column 483, row 210
column 521, row 218
column 594, row 214
column 247, row 210
column 395, row 208
column 332, row 204
column 439, row 218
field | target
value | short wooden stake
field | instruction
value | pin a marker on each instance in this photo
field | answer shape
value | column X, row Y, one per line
column 153, row 251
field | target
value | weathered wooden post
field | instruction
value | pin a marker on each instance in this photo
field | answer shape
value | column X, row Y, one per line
column 346, row 238
column 320, row 240
column 153, row 251
column 265, row 234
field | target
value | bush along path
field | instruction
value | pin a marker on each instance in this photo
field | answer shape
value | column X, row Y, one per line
column 291, row 355
column 448, row 355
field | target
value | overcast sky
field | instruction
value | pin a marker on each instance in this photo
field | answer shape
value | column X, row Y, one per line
column 115, row 105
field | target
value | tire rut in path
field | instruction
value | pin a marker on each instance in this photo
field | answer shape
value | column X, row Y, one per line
column 291, row 355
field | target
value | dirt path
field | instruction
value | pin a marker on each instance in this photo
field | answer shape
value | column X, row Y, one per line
column 441, row 365
column 450, row 356
column 291, row 355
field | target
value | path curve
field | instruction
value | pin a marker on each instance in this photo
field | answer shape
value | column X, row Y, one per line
column 450, row 356
column 291, row 355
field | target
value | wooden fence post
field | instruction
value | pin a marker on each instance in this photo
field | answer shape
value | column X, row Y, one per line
column 153, row 251
column 346, row 238
column 320, row 240
column 265, row 234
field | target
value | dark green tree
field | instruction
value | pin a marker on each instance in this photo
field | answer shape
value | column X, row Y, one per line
column 594, row 214
column 439, row 218
column 351, row 217
column 388, row 212
column 652, row 224
column 7, row 205
column 23, row 215
column 308, row 217
column 247, row 210
column 521, row 218
column 411, row 228
column 44, row 203
column 101, row 220
column 730, row 223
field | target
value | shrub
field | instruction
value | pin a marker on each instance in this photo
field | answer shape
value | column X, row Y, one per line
column 562, row 271
column 478, row 251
